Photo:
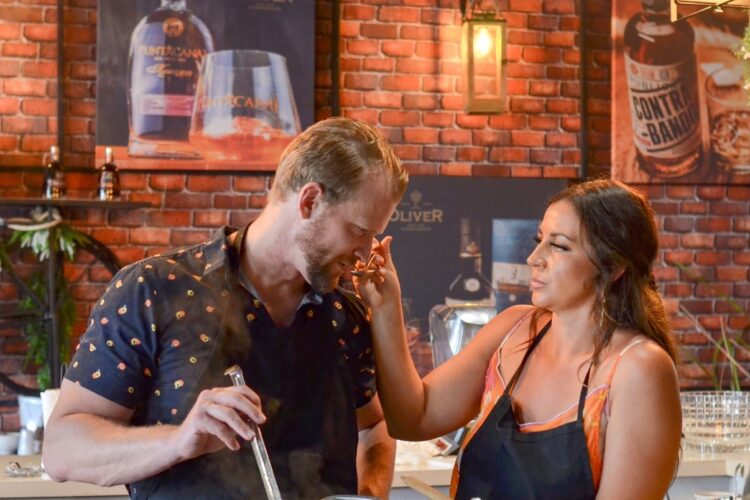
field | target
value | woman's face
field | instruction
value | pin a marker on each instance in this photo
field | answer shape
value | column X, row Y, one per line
column 563, row 277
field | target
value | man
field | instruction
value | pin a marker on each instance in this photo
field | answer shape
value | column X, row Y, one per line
column 145, row 401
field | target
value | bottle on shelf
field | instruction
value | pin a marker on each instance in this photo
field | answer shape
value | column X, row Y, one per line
column 166, row 50
column 109, row 178
column 663, row 91
column 471, row 286
column 54, row 177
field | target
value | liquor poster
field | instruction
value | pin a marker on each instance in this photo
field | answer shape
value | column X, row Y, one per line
column 680, row 113
column 430, row 229
column 203, row 85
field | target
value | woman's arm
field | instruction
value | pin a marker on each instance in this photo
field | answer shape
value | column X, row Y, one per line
column 643, row 435
column 450, row 395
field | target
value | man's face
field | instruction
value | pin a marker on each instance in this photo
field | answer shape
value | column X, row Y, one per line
column 337, row 236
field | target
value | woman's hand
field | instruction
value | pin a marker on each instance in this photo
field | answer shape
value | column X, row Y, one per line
column 378, row 283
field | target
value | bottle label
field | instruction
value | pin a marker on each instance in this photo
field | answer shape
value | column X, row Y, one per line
column 471, row 285
column 165, row 104
column 664, row 108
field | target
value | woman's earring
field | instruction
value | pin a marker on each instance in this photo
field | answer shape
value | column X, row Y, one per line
column 603, row 308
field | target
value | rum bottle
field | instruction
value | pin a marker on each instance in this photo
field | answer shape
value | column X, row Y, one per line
column 54, row 178
column 109, row 178
column 470, row 286
column 660, row 66
column 166, row 50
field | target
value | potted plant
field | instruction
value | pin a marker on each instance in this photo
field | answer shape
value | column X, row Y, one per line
column 718, row 420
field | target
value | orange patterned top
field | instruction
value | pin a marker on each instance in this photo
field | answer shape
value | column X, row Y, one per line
column 595, row 412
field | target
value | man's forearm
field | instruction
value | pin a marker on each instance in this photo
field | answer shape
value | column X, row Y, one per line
column 376, row 454
column 92, row 449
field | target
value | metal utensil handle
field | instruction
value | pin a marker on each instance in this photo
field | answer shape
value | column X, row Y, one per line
column 259, row 447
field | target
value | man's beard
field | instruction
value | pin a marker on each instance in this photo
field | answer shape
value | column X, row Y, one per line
column 320, row 274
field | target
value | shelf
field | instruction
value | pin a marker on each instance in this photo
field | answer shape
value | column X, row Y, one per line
column 72, row 202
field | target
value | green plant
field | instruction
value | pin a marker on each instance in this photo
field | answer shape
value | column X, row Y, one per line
column 35, row 237
column 724, row 370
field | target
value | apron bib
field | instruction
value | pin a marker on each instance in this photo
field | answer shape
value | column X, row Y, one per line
column 502, row 462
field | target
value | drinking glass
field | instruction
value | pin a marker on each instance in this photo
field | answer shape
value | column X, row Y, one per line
column 244, row 107
column 729, row 118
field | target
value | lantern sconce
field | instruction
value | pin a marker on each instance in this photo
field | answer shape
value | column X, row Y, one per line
column 483, row 33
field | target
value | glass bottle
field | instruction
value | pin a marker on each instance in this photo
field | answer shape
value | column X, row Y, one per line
column 109, row 178
column 470, row 286
column 660, row 65
column 166, row 50
column 54, row 178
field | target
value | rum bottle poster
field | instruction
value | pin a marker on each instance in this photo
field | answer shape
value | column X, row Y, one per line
column 203, row 85
column 680, row 111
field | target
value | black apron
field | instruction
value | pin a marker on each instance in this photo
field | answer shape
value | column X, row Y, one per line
column 502, row 462
column 307, row 394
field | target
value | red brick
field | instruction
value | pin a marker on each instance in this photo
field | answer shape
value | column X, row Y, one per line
column 400, row 83
column 184, row 200
column 742, row 224
column 698, row 240
column 250, row 184
column 473, row 154
column 371, row 30
column 208, row 183
column 399, row 14
column 421, row 135
column 732, row 273
column 10, row 31
column 741, row 193
column 381, row 65
column 8, row 143
column 440, row 16
column 399, row 118
column 439, row 153
column 420, row 101
column 10, row 68
column 398, row 48
column 21, row 14
column 543, row 123
column 712, row 258
column 437, row 119
column 25, row 87
column 526, row 105
column 439, row 83
column 697, row 208
column 20, row 125
column 38, row 144
column 167, row 182
column 560, row 39
column 149, row 236
column 410, row 32
column 437, row 50
column 449, row 136
column 347, row 29
column 362, row 12
column 420, row 66
column 80, row 35
column 525, row 171
column 511, row 155
column 16, row 49
column 366, row 115
column 679, row 224
column 211, row 218
column 545, row 155
column 491, row 137
column 455, row 169
column 382, row 100
column 44, row 69
column 110, row 236
column 45, row 107
column 169, row 218
column 711, row 192
column 544, row 88
column 362, row 47
column 230, row 202
column 8, row 106
column 361, row 81
column 562, row 106
column 561, row 139
column 40, row 32
column 408, row 152
column 732, row 242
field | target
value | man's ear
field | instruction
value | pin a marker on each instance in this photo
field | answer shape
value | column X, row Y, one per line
column 309, row 197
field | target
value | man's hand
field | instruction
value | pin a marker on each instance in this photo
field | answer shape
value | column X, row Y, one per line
column 217, row 418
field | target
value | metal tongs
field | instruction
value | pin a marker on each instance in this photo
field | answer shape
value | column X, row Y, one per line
column 259, row 447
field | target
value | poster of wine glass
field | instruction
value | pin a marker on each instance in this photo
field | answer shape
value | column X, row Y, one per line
column 198, row 85
column 680, row 102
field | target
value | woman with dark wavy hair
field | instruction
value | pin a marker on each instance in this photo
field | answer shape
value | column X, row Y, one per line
column 577, row 395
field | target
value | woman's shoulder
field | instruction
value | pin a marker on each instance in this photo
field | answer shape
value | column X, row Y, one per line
column 642, row 363
column 506, row 322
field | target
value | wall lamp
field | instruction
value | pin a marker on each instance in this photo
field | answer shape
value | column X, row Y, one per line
column 483, row 33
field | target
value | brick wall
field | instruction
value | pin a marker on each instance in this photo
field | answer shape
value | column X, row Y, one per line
column 400, row 70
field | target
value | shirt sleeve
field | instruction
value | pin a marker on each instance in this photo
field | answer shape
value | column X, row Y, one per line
column 117, row 353
column 356, row 345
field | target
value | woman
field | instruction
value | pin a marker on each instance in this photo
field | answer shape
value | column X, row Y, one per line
column 597, row 334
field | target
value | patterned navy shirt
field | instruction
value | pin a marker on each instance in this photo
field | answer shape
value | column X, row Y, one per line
column 150, row 336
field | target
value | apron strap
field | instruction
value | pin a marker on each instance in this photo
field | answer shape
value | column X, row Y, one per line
column 584, row 393
column 534, row 343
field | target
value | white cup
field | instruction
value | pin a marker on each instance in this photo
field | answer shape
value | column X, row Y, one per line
column 49, row 399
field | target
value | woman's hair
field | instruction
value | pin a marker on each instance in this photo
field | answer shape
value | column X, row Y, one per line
column 618, row 227
column 340, row 154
